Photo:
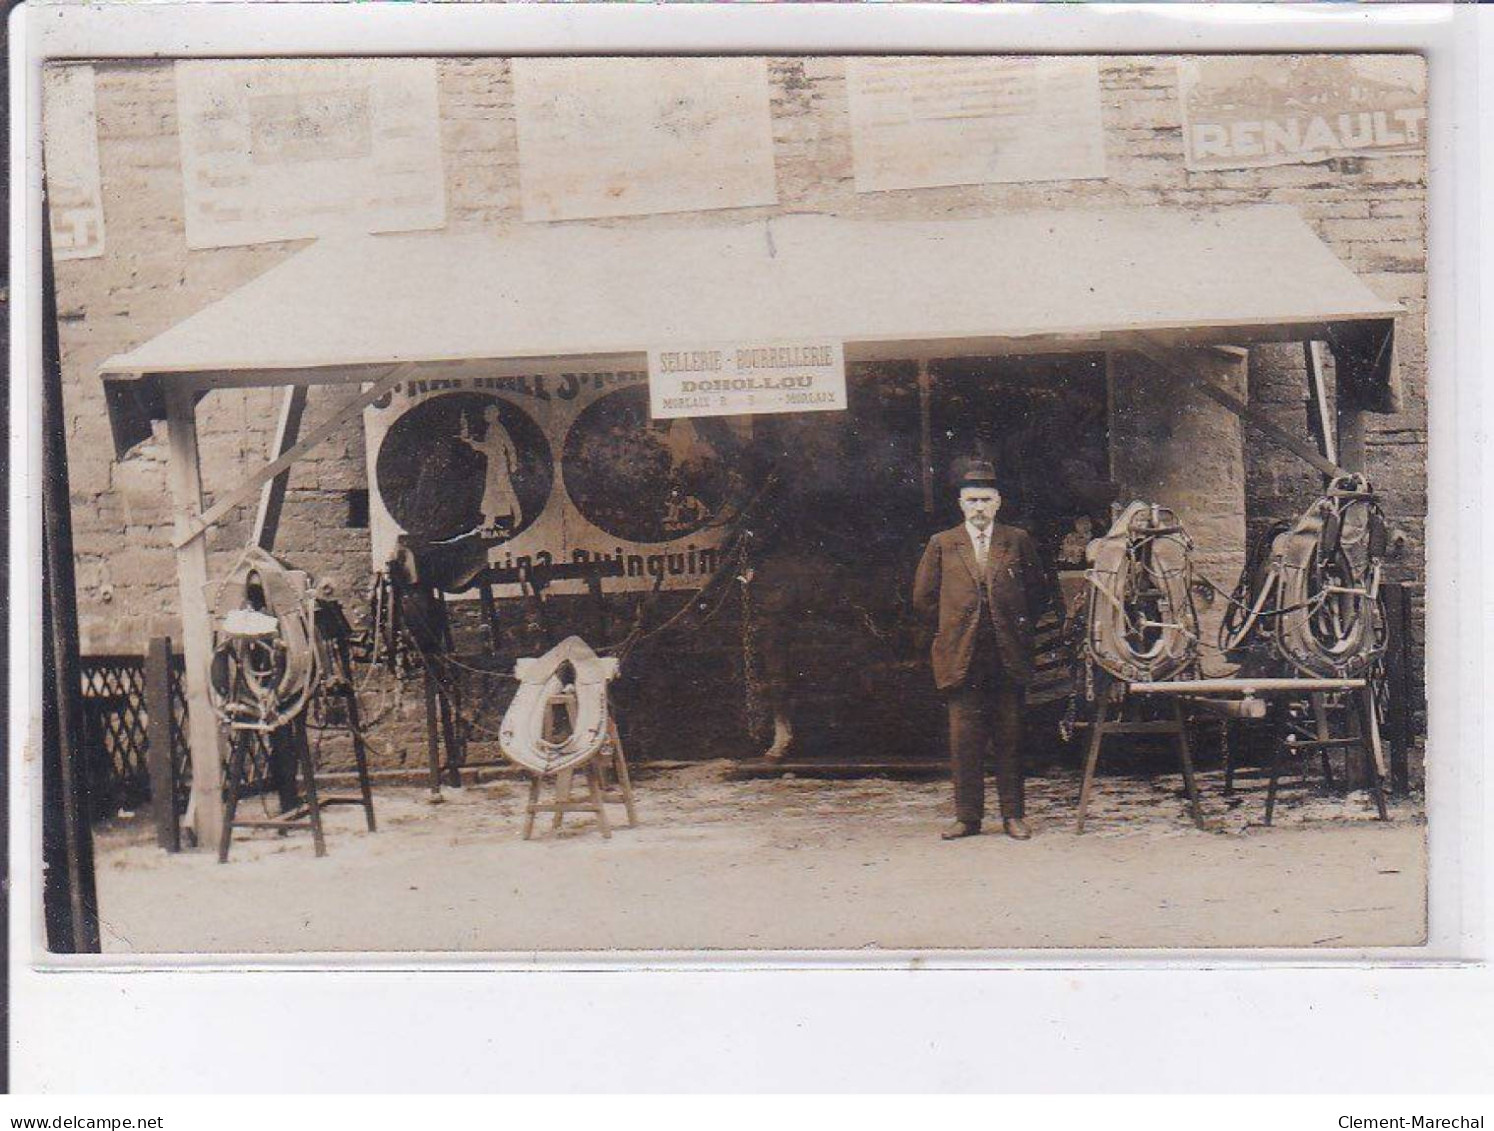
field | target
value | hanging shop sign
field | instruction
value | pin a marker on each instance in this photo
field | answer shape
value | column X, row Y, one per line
column 554, row 467
column 927, row 121
column 1243, row 111
column 623, row 137
column 287, row 149
column 75, row 202
column 746, row 379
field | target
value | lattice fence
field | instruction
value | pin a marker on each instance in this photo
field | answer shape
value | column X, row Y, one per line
column 181, row 753
column 116, row 734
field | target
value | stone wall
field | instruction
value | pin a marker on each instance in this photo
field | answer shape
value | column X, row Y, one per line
column 1187, row 453
column 1370, row 211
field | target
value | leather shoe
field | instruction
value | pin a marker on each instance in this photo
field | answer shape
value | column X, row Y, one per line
column 961, row 829
column 1016, row 828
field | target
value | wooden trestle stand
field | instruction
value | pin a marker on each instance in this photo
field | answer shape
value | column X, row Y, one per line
column 1239, row 693
column 302, row 814
column 1363, row 726
column 605, row 774
column 1103, row 725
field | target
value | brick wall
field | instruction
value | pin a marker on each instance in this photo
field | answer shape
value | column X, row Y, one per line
column 1370, row 211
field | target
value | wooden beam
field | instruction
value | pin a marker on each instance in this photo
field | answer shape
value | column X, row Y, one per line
column 1322, row 424
column 272, row 494
column 204, row 737
column 196, row 525
column 1188, row 368
column 159, row 760
column 926, row 433
column 1350, row 435
column 1398, row 668
column 1238, row 685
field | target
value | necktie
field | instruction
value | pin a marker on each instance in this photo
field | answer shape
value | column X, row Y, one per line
column 980, row 549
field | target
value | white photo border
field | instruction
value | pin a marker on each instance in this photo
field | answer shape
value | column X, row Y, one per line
column 57, row 999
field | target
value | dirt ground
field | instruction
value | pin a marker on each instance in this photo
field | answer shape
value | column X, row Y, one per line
column 786, row 862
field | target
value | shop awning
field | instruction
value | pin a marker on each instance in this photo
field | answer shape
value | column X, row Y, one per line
column 1028, row 282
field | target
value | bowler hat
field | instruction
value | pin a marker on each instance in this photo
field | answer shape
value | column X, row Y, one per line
column 977, row 473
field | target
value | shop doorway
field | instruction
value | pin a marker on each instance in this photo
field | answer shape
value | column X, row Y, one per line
column 1044, row 422
column 840, row 648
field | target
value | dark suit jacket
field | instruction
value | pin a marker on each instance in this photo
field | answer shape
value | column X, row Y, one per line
column 946, row 584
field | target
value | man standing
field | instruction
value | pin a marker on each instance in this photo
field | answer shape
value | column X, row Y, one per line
column 986, row 585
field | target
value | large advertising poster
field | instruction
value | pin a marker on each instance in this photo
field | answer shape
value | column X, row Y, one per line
column 926, row 121
column 74, row 196
column 285, row 149
column 554, row 467
column 1244, row 111
column 625, row 137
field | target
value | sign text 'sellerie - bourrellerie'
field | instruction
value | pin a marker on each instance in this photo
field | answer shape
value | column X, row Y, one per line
column 745, row 380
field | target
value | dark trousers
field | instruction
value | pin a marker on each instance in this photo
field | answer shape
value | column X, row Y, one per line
column 986, row 712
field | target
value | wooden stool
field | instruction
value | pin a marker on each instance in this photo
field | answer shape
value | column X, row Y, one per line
column 608, row 761
column 1103, row 726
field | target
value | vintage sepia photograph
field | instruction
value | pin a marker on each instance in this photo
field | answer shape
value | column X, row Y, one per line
column 732, row 503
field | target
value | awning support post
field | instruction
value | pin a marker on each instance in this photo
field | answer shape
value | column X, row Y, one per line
column 1319, row 422
column 272, row 494
column 185, row 472
column 1350, row 434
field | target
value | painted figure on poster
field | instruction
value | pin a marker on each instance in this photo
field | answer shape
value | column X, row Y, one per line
column 500, row 509
column 689, row 455
column 984, row 583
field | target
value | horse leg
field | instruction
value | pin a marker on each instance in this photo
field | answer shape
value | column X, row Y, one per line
column 783, row 736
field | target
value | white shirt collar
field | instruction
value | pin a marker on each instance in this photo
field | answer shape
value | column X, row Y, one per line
column 975, row 535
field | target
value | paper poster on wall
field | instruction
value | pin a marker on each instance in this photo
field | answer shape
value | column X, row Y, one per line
column 1244, row 111
column 70, row 128
column 283, row 149
column 927, row 121
column 621, row 137
column 554, row 467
